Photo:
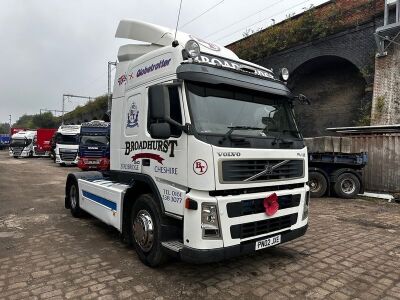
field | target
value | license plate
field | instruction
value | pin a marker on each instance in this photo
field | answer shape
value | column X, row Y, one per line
column 93, row 162
column 272, row 241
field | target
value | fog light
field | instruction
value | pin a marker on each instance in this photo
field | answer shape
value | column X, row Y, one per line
column 192, row 48
column 209, row 221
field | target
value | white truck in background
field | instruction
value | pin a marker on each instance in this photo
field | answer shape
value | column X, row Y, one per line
column 22, row 144
column 207, row 162
column 67, row 145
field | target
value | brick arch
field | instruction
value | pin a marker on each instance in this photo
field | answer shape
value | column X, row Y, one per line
column 336, row 88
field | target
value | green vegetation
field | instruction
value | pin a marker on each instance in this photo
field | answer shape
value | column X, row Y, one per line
column 44, row 120
column 380, row 104
column 47, row 120
column 4, row 128
column 311, row 25
column 81, row 112
column 364, row 115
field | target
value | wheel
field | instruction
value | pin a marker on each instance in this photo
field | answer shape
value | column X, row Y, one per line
column 318, row 184
column 347, row 185
column 73, row 196
column 146, row 230
column 31, row 154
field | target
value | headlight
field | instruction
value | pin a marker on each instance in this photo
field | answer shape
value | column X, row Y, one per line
column 209, row 220
column 306, row 204
column 192, row 48
column 284, row 74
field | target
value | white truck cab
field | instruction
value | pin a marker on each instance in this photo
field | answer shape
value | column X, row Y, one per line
column 67, row 144
column 207, row 162
column 22, row 144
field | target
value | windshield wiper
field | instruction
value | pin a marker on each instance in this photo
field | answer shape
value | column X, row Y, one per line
column 233, row 128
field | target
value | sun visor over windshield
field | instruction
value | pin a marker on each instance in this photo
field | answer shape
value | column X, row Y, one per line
column 216, row 75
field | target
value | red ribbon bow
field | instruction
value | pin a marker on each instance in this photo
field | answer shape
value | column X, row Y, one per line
column 271, row 204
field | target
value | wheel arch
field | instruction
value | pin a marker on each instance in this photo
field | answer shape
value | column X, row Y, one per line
column 138, row 185
column 73, row 177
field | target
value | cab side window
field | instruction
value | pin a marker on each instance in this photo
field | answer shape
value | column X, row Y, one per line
column 175, row 111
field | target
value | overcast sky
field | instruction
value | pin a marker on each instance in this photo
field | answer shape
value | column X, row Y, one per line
column 52, row 47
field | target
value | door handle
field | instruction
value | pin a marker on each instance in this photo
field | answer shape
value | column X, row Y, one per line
column 146, row 162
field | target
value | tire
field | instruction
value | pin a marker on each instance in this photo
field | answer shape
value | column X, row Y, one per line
column 347, row 186
column 73, row 198
column 145, row 230
column 318, row 184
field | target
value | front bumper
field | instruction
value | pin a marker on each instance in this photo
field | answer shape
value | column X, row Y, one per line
column 200, row 256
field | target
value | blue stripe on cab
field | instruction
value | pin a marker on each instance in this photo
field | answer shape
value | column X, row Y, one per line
column 100, row 200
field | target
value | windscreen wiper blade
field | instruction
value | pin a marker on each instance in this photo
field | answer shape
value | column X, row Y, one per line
column 233, row 128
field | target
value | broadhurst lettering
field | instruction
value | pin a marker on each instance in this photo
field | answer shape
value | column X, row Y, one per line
column 230, row 64
column 162, row 146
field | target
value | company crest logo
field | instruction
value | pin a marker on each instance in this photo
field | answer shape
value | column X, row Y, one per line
column 133, row 116
column 200, row 166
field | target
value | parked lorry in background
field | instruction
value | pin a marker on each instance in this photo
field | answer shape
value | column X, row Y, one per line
column 22, row 143
column 333, row 169
column 42, row 145
column 94, row 146
column 4, row 141
column 207, row 162
column 67, row 144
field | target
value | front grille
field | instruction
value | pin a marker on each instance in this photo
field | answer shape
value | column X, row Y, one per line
column 247, row 230
column 67, row 156
column 250, row 207
column 17, row 151
column 92, row 154
column 240, row 170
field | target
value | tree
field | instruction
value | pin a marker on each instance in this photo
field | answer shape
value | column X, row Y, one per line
column 44, row 120
column 4, row 128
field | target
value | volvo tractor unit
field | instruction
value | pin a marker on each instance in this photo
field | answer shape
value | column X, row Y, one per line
column 206, row 162
column 67, row 144
column 22, row 144
column 94, row 146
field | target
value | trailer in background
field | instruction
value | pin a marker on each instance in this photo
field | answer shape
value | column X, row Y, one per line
column 4, row 141
column 333, row 169
column 43, row 141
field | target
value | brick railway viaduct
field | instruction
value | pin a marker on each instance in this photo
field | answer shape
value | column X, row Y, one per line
column 335, row 71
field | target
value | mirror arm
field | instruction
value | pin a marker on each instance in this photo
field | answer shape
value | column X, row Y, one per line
column 187, row 128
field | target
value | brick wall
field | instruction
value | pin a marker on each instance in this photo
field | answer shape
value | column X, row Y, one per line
column 386, row 99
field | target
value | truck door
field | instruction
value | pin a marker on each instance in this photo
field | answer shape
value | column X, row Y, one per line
column 166, row 160
column 133, row 126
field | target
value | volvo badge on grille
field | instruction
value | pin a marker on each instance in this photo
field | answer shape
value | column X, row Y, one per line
column 267, row 171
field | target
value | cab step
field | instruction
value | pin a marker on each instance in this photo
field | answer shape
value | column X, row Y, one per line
column 175, row 246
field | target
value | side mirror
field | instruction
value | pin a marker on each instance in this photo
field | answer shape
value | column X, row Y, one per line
column 160, row 131
column 303, row 99
column 159, row 105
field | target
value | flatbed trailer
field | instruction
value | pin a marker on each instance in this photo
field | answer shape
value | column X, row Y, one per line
column 336, row 173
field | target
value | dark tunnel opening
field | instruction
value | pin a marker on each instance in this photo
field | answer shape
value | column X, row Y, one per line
column 336, row 89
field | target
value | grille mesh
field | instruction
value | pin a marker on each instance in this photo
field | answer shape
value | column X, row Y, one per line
column 240, row 170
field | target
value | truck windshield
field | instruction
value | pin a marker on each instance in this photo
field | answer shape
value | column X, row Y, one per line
column 20, row 142
column 68, row 139
column 99, row 140
column 222, row 110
